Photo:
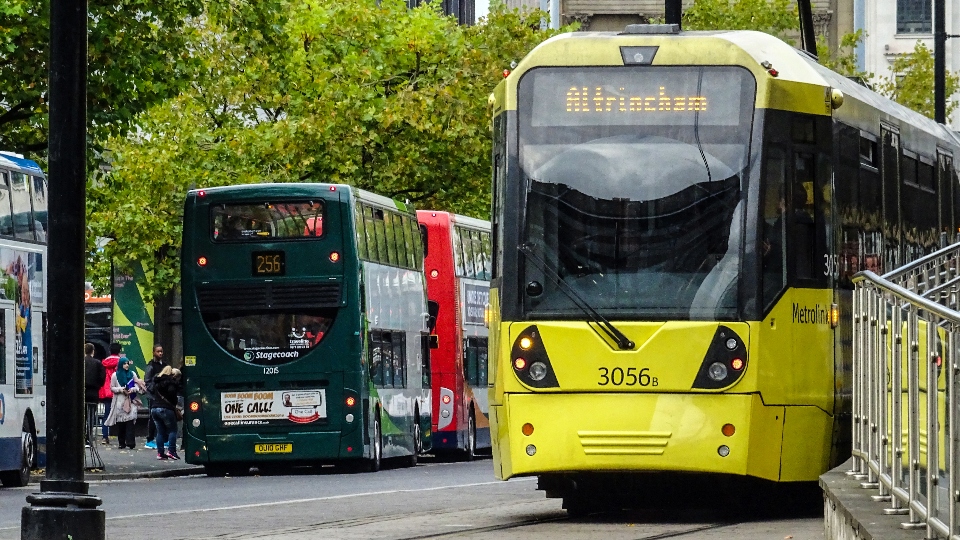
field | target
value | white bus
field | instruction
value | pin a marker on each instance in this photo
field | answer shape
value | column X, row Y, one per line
column 23, row 374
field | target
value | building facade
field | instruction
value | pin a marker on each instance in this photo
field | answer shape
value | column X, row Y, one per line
column 893, row 27
column 463, row 10
column 832, row 18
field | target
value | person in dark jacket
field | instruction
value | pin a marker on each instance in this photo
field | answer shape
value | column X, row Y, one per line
column 167, row 385
column 154, row 367
column 93, row 376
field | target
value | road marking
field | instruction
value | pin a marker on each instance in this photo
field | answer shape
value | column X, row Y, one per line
column 316, row 499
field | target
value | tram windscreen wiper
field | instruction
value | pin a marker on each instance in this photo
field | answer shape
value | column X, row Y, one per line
column 608, row 328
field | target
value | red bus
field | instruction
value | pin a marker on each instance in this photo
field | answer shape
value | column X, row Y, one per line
column 458, row 269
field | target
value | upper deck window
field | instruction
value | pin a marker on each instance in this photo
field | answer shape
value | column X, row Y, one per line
column 258, row 222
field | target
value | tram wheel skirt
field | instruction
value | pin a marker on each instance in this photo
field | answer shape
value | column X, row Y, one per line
column 659, row 432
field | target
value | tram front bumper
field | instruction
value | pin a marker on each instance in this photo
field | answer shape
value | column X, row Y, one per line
column 636, row 432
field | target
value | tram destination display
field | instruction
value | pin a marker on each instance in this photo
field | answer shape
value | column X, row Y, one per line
column 615, row 96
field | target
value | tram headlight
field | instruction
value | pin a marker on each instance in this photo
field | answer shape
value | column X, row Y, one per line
column 717, row 371
column 731, row 344
column 538, row 371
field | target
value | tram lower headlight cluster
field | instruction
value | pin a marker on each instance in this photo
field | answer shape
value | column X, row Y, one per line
column 724, row 450
column 717, row 371
column 538, row 371
column 531, row 449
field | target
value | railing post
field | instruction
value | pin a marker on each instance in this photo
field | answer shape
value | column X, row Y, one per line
column 933, row 422
column 896, row 410
column 913, row 417
column 950, row 364
column 870, row 377
column 880, row 393
column 859, row 330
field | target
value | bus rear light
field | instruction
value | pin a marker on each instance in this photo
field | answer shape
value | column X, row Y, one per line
column 197, row 453
column 519, row 363
column 202, row 193
column 728, row 430
column 196, row 422
column 333, row 188
column 349, row 418
column 349, row 449
column 334, row 256
column 194, row 406
column 445, row 399
column 445, row 414
column 351, row 401
column 527, row 429
column 202, row 261
column 434, row 274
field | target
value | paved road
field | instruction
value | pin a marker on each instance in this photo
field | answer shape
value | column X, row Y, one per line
column 437, row 500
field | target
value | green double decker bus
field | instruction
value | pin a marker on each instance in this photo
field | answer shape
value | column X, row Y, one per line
column 306, row 328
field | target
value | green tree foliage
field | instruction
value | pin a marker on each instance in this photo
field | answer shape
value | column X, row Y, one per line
column 776, row 17
column 136, row 56
column 843, row 61
column 912, row 82
column 369, row 94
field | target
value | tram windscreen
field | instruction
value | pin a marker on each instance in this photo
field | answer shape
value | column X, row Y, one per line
column 634, row 201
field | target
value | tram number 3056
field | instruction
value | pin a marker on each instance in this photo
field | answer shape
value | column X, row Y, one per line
column 626, row 377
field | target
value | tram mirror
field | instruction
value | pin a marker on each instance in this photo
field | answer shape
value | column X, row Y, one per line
column 534, row 288
column 433, row 309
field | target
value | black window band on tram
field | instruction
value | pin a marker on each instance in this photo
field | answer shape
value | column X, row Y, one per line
column 635, row 182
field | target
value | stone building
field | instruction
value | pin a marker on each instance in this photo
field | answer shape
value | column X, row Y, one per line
column 832, row 18
column 893, row 27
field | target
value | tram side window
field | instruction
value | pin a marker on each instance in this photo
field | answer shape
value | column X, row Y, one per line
column 848, row 202
column 475, row 361
column 890, row 173
column 22, row 218
column 774, row 266
column 804, row 235
column 947, row 194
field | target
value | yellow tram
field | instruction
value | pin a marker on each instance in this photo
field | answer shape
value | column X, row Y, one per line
column 676, row 218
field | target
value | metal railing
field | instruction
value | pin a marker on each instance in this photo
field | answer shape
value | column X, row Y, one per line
column 906, row 390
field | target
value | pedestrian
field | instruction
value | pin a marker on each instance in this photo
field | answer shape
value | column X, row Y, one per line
column 167, row 386
column 125, row 385
column 93, row 376
column 154, row 367
column 106, row 395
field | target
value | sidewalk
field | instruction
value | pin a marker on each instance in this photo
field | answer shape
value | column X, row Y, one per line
column 131, row 464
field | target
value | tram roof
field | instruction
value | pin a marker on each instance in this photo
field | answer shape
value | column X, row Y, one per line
column 792, row 64
column 19, row 163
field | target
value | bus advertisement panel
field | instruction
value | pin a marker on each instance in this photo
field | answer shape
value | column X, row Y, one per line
column 304, row 328
column 23, row 376
column 458, row 264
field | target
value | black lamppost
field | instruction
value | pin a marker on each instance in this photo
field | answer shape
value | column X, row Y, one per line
column 63, row 508
column 940, row 37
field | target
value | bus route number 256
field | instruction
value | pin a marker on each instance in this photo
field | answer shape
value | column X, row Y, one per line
column 626, row 377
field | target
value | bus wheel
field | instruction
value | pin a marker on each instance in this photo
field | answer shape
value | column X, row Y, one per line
column 471, row 452
column 412, row 460
column 373, row 464
column 28, row 457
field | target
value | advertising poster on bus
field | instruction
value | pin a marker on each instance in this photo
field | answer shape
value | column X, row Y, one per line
column 273, row 408
column 21, row 280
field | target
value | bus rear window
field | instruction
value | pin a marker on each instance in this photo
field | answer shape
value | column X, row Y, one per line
column 262, row 221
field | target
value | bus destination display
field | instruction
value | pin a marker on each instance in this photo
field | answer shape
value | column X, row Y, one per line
column 269, row 263
column 637, row 97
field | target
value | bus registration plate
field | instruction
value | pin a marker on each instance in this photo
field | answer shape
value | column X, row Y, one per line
column 273, row 448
